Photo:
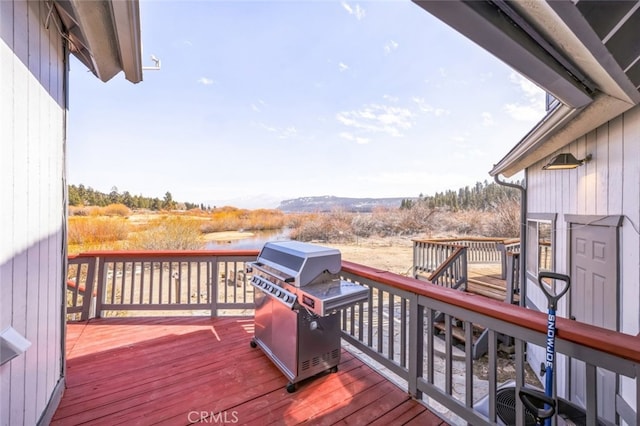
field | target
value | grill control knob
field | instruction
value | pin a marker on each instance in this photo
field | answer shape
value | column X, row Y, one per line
column 313, row 325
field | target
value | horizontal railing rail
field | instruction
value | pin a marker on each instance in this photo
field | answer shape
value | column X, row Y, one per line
column 393, row 327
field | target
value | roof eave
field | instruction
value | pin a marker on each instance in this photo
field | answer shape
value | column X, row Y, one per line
column 105, row 36
column 560, row 127
column 493, row 30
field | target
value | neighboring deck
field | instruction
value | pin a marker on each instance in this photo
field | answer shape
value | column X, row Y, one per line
column 486, row 280
column 173, row 370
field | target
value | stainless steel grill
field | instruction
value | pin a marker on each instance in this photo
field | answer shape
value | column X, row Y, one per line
column 298, row 294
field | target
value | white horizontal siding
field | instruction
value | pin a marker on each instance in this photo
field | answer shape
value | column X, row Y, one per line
column 32, row 104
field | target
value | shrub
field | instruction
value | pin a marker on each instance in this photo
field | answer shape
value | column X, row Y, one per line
column 116, row 210
column 170, row 233
column 79, row 211
column 335, row 226
column 92, row 230
column 505, row 220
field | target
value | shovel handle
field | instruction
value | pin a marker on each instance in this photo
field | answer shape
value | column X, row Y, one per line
column 553, row 298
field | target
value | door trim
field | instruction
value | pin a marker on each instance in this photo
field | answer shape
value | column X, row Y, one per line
column 582, row 219
column 610, row 221
column 613, row 221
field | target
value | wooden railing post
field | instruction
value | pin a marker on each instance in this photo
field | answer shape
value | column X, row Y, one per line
column 213, row 288
column 416, row 346
column 512, row 276
column 101, row 286
column 88, row 301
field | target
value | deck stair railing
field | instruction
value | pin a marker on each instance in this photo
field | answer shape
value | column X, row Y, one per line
column 393, row 330
column 429, row 255
column 452, row 272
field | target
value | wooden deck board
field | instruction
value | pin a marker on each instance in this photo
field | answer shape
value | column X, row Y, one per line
column 484, row 279
column 176, row 370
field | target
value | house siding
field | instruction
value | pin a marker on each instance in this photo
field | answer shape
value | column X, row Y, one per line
column 607, row 185
column 32, row 169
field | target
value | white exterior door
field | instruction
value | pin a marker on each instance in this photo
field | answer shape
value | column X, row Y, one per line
column 594, row 300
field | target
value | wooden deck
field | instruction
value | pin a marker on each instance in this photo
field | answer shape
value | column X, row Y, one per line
column 484, row 279
column 186, row 370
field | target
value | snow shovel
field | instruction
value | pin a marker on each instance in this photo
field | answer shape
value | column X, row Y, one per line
column 543, row 405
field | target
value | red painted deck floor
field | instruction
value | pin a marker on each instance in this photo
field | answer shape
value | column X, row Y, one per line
column 188, row 370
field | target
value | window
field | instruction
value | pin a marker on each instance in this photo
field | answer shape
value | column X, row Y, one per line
column 540, row 243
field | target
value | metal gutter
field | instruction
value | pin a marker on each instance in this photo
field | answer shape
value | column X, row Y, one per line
column 523, row 234
column 486, row 24
column 126, row 20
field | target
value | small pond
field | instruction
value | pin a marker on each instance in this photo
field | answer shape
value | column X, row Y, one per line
column 255, row 241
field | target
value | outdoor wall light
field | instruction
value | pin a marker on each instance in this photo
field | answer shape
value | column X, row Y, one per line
column 565, row 161
column 12, row 344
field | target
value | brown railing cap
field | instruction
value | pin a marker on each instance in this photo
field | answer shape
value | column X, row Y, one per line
column 612, row 342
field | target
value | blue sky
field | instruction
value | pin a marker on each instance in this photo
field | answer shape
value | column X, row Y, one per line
column 262, row 101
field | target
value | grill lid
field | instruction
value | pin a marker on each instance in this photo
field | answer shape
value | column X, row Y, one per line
column 301, row 263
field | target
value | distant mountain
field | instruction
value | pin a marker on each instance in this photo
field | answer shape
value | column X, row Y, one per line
column 329, row 203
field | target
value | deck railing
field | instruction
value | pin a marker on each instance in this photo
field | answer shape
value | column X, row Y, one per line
column 430, row 253
column 393, row 327
column 190, row 281
column 479, row 250
column 452, row 273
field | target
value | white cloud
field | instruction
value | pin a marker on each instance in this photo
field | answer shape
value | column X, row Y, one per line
column 257, row 106
column 487, row 119
column 390, row 46
column 267, row 128
column 458, row 138
column 426, row 108
column 523, row 112
column 281, row 133
column 358, row 12
column 343, row 67
column 288, row 132
column 357, row 139
column 206, row 81
column 375, row 118
column 532, row 107
column 529, row 89
column 390, row 98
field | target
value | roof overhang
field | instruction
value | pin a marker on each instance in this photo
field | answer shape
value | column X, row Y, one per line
column 560, row 127
column 104, row 35
column 565, row 47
